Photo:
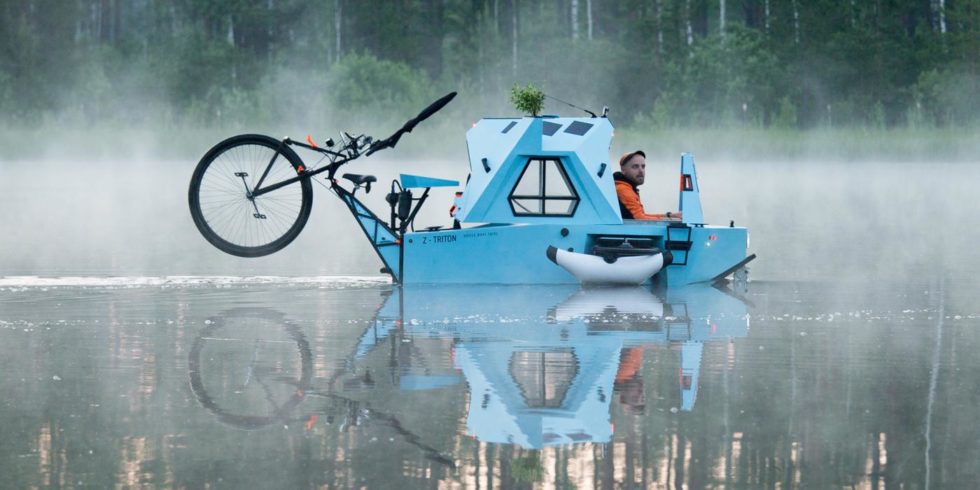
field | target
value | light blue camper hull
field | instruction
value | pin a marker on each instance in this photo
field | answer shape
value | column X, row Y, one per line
column 515, row 254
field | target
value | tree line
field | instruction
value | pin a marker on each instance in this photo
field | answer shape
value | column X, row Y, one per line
column 676, row 63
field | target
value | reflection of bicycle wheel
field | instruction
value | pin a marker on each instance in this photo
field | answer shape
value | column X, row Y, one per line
column 225, row 211
column 250, row 367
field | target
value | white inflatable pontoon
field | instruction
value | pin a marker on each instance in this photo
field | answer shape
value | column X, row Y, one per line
column 595, row 269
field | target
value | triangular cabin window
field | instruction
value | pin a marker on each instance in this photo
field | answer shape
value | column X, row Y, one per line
column 544, row 190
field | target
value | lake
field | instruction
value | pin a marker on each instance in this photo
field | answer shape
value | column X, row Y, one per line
column 132, row 353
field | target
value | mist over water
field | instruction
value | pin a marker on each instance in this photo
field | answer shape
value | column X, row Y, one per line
column 808, row 220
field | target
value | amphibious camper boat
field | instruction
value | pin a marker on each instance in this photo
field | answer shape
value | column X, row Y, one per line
column 539, row 207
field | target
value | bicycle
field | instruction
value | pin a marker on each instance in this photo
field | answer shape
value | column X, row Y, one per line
column 277, row 374
column 249, row 202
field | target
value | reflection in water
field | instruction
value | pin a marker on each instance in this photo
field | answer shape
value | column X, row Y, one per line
column 544, row 377
column 540, row 380
column 542, row 367
column 260, row 362
column 542, row 374
column 933, row 380
column 494, row 387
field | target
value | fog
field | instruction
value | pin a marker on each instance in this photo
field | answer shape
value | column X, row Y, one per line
column 808, row 219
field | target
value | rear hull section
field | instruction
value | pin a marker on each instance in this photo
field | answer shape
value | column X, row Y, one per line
column 516, row 254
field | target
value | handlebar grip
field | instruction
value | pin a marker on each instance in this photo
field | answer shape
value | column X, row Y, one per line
column 392, row 140
column 434, row 107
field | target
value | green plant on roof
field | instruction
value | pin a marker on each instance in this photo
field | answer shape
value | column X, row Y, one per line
column 529, row 99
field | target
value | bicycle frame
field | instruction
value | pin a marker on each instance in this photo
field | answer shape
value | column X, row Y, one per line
column 353, row 148
column 385, row 240
column 303, row 174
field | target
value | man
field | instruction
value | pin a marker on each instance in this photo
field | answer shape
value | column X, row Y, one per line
column 631, row 175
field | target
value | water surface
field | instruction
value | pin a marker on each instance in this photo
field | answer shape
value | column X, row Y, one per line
column 132, row 353
column 352, row 383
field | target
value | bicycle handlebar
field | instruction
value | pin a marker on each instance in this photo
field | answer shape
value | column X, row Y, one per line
column 392, row 140
column 428, row 111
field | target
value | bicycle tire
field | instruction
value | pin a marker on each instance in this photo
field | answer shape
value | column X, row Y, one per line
column 222, row 210
column 230, row 321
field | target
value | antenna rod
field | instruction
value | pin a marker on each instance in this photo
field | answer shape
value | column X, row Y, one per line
column 571, row 105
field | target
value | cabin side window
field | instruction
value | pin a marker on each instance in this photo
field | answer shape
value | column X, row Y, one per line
column 543, row 190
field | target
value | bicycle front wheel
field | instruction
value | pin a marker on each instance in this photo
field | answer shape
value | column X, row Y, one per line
column 222, row 204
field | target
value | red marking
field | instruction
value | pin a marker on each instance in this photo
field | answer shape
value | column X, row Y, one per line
column 712, row 237
column 398, row 242
column 687, row 184
column 714, row 328
column 452, row 211
column 459, row 194
column 310, row 421
column 309, row 139
column 300, row 169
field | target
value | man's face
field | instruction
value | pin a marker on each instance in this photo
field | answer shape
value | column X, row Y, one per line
column 635, row 169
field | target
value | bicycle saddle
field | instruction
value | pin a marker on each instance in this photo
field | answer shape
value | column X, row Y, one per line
column 360, row 179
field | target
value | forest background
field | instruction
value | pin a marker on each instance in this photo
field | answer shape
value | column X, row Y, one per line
column 756, row 76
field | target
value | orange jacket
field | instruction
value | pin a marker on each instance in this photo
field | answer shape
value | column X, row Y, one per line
column 629, row 200
column 630, row 362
